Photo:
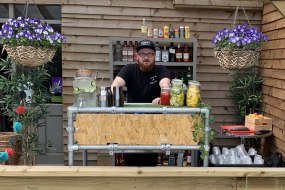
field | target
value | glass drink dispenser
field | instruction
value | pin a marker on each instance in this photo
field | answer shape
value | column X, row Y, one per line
column 84, row 88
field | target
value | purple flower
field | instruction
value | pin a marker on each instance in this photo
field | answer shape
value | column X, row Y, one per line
column 27, row 31
column 241, row 36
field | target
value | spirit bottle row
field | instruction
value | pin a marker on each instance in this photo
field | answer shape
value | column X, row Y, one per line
column 180, row 53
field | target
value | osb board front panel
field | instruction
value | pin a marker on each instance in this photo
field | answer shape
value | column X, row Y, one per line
column 151, row 129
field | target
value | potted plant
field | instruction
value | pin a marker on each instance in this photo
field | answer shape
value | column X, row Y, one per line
column 238, row 47
column 246, row 93
column 30, row 41
column 25, row 96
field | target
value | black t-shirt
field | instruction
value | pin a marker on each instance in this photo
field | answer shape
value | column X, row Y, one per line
column 143, row 87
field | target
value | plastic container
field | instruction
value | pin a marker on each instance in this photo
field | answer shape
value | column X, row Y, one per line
column 193, row 96
column 177, row 95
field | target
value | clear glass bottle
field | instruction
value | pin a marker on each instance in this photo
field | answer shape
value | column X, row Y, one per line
column 193, row 96
column 130, row 52
column 143, row 28
column 164, row 55
column 177, row 94
column 157, row 53
column 125, row 51
column 118, row 51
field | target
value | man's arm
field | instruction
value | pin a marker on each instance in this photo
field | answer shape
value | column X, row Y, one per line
column 118, row 81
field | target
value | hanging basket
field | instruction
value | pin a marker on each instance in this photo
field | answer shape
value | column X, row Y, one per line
column 29, row 56
column 237, row 59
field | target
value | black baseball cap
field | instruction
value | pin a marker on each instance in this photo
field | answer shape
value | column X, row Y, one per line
column 146, row 44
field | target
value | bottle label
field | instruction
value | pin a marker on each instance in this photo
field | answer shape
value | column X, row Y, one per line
column 144, row 29
column 125, row 52
column 158, row 56
column 186, row 56
column 179, row 55
column 164, row 56
column 188, row 159
column 172, row 50
column 131, row 53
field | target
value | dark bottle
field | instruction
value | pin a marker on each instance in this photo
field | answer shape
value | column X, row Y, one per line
column 171, row 31
column 190, row 54
column 189, row 74
column 171, row 52
column 178, row 54
column 125, row 52
column 185, row 53
column 118, row 51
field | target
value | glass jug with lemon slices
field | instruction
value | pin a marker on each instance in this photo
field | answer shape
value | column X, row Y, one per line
column 84, row 88
column 193, row 96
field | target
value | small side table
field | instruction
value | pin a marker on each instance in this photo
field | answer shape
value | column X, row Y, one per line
column 249, row 136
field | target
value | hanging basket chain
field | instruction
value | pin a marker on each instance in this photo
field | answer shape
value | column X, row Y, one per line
column 236, row 15
column 26, row 9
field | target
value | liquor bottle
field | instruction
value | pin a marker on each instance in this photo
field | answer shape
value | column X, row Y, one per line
column 160, row 33
column 135, row 50
column 130, row 52
column 187, row 32
column 164, row 55
column 165, row 32
column 125, row 51
column 187, row 158
column 155, row 33
column 143, row 28
column 149, row 33
column 185, row 53
column 190, row 54
column 171, row 52
column 118, row 51
column 189, row 75
column 157, row 53
column 178, row 54
column 171, row 31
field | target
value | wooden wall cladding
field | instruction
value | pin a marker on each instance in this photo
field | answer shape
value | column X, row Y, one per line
column 88, row 24
column 272, row 67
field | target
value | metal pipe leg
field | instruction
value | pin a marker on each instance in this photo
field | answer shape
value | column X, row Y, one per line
column 84, row 158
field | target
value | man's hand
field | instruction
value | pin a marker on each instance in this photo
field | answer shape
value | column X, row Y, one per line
column 156, row 101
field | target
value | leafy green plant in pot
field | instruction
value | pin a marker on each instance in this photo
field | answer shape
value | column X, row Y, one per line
column 24, row 98
column 246, row 93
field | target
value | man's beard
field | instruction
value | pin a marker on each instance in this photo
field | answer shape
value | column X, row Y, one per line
column 146, row 66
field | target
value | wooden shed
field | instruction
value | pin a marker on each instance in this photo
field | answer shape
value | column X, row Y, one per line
column 88, row 24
